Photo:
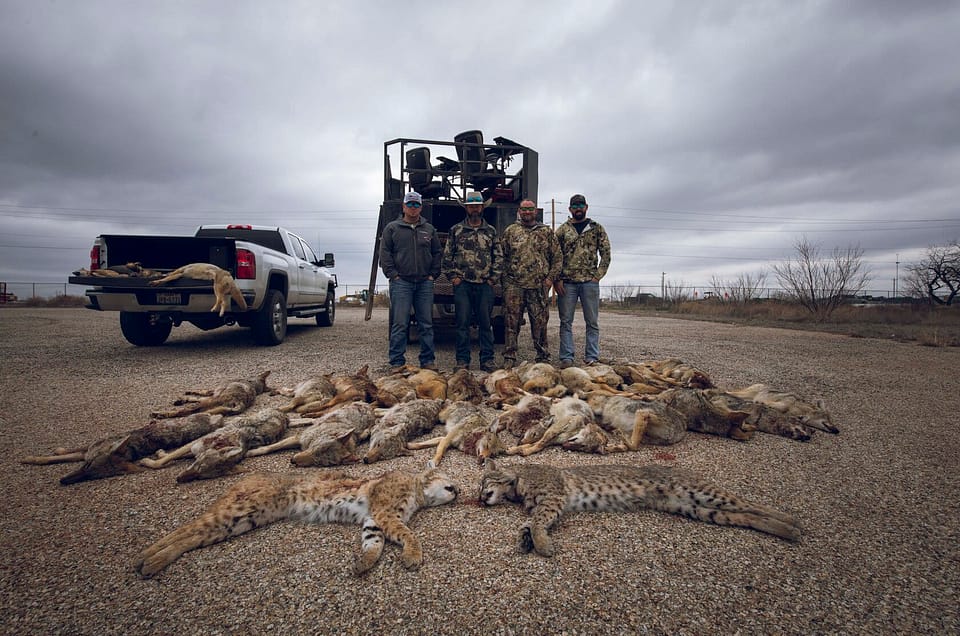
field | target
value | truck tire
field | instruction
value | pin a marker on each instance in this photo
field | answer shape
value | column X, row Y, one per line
column 269, row 325
column 139, row 330
column 326, row 319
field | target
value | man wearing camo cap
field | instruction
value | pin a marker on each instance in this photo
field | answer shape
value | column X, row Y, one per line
column 531, row 263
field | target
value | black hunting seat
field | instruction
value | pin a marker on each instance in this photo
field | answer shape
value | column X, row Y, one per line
column 421, row 175
column 476, row 164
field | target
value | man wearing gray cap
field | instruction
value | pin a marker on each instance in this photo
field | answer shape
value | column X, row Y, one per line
column 410, row 259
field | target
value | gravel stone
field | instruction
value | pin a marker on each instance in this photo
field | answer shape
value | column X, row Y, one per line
column 878, row 503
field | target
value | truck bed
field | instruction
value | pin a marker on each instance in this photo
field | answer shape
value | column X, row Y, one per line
column 168, row 252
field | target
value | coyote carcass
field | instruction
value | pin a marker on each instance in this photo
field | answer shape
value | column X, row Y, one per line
column 117, row 455
column 224, row 287
column 230, row 398
column 217, row 453
column 329, row 441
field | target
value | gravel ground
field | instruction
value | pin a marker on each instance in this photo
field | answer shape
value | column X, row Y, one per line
column 878, row 503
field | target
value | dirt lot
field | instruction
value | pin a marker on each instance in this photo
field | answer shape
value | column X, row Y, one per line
column 879, row 503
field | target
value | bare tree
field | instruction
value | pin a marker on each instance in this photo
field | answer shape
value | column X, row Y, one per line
column 622, row 293
column 937, row 276
column 741, row 290
column 675, row 293
column 820, row 283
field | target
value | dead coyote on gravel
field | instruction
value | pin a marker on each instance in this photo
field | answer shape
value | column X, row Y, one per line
column 230, row 398
column 116, row 455
column 217, row 453
column 812, row 414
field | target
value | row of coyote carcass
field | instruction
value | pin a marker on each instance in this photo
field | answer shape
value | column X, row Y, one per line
column 600, row 408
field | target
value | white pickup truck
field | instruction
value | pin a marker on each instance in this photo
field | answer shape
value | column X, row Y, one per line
column 276, row 271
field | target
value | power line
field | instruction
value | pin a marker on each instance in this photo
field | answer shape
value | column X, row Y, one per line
column 175, row 211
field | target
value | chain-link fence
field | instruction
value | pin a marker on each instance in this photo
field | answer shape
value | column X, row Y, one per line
column 350, row 293
column 16, row 291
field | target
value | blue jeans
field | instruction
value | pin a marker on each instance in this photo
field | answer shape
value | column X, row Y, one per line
column 589, row 295
column 473, row 303
column 405, row 295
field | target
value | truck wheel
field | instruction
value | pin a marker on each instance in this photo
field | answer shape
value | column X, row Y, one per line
column 326, row 319
column 139, row 330
column 270, row 323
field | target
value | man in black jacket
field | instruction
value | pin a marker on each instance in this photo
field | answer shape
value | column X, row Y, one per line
column 410, row 259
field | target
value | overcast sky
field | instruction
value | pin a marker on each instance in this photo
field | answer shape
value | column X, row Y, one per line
column 708, row 137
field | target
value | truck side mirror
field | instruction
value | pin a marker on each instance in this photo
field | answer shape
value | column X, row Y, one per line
column 328, row 259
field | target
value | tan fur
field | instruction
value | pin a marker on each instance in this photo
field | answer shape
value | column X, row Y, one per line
column 331, row 440
column 468, row 427
column 309, row 394
column 230, row 398
column 604, row 374
column 541, row 378
column 400, row 424
column 812, row 414
column 218, row 452
column 548, row 492
column 382, row 505
column 349, row 388
column 463, row 386
column 684, row 374
column 504, row 387
column 224, row 287
column 571, row 424
column 637, row 422
column 129, row 270
column 394, row 389
column 429, row 384
column 528, row 413
column 641, row 378
column 577, row 380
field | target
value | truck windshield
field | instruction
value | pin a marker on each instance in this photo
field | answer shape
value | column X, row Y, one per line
column 267, row 238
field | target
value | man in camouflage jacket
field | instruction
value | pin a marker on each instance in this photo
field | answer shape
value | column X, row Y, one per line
column 586, row 257
column 472, row 261
column 532, row 263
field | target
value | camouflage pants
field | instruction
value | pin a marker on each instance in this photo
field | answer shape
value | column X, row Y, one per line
column 535, row 302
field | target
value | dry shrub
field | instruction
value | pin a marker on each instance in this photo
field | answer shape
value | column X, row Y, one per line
column 934, row 326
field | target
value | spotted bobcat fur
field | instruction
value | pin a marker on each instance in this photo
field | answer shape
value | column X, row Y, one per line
column 382, row 505
column 547, row 492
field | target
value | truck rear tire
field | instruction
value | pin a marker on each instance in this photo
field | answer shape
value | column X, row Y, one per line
column 326, row 319
column 270, row 323
column 139, row 330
